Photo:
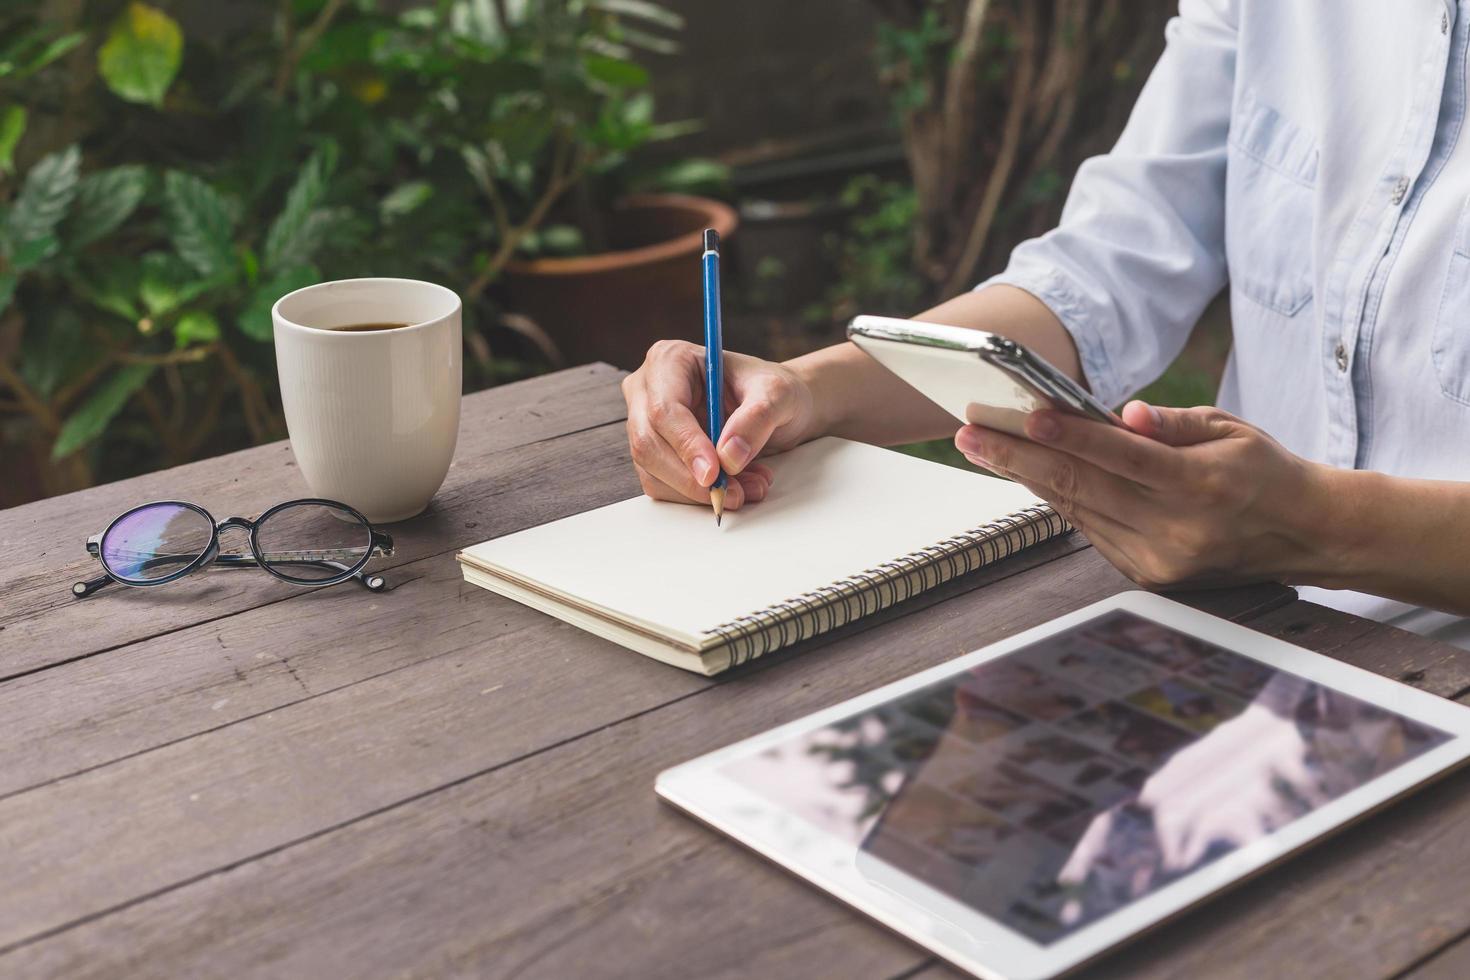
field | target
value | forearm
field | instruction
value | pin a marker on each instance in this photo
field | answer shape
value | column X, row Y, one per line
column 1396, row 537
column 858, row 398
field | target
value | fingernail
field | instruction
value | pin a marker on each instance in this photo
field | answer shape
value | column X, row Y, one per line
column 703, row 472
column 967, row 441
column 1154, row 415
column 756, row 490
column 736, row 452
column 1043, row 427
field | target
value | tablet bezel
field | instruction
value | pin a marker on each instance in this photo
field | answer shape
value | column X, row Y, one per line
column 982, row 945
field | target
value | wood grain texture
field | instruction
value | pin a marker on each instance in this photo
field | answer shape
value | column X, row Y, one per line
column 86, row 713
column 81, row 714
column 556, row 853
column 439, row 781
column 1450, row 963
column 42, row 544
column 244, row 693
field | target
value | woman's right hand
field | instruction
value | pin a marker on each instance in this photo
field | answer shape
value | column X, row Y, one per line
column 769, row 408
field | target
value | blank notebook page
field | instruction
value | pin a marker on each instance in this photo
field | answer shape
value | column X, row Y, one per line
column 835, row 508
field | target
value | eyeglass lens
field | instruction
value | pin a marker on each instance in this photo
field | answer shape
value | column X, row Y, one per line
column 155, row 541
column 313, row 542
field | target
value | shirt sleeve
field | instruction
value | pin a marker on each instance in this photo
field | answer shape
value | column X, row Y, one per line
column 1140, row 250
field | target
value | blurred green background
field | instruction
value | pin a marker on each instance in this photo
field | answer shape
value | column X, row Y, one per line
column 170, row 168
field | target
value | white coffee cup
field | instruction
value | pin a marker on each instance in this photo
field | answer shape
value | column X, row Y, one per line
column 373, row 415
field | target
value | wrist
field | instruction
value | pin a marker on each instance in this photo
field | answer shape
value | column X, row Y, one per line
column 819, row 373
column 1339, row 522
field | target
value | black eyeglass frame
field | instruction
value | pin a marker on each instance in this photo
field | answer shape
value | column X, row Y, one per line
column 379, row 543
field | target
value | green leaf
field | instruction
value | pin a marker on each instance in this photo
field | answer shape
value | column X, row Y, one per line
column 12, row 128
column 167, row 283
column 476, row 19
column 105, row 200
column 201, row 224
column 638, row 110
column 195, row 327
column 28, row 255
column 642, row 10
column 91, row 418
column 8, row 282
column 696, row 175
column 142, row 53
column 404, row 199
column 297, row 231
column 651, row 43
column 58, row 48
column 562, row 240
column 255, row 319
column 53, row 348
column 44, row 198
column 615, row 71
column 110, row 285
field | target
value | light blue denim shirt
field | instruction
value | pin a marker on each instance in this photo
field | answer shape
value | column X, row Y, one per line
column 1307, row 153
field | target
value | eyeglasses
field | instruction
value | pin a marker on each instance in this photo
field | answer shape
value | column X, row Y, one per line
column 304, row 542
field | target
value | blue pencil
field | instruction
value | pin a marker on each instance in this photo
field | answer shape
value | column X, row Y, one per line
column 714, row 374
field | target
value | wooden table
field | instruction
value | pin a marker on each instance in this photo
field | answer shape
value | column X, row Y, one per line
column 230, row 776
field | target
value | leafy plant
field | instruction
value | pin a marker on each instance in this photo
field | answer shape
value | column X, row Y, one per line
column 874, row 254
column 158, row 192
column 998, row 102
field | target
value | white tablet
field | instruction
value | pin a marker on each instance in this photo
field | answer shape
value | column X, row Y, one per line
column 1024, row 808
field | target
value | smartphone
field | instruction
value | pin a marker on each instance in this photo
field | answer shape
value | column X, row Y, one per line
column 977, row 377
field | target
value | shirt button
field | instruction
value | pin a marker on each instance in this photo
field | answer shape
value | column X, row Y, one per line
column 1342, row 360
column 1400, row 188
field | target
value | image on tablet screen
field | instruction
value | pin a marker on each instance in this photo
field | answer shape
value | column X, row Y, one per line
column 1058, row 783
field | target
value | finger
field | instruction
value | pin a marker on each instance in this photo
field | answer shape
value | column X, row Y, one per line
column 656, row 457
column 659, row 490
column 754, row 486
column 1065, row 479
column 763, row 407
column 1179, row 426
column 1114, row 541
column 1128, row 454
column 667, row 404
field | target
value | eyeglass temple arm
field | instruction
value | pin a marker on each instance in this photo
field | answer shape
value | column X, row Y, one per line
column 326, row 557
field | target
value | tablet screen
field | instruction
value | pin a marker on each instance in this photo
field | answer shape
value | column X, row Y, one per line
column 1058, row 783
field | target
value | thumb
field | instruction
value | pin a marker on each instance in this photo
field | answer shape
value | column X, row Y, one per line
column 1177, row 426
column 749, row 428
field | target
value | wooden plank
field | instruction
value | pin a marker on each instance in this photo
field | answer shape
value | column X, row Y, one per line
column 458, row 650
column 1416, row 660
column 43, row 551
column 89, row 712
column 86, row 713
column 1450, row 963
column 537, row 865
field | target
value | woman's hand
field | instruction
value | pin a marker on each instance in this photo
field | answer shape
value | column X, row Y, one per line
column 769, row 409
column 1189, row 497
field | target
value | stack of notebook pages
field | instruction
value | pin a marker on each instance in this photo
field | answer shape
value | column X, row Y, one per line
column 846, row 531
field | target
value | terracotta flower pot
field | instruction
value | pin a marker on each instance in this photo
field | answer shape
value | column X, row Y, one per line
column 615, row 305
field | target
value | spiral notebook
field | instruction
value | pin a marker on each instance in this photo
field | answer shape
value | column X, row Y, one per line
column 846, row 531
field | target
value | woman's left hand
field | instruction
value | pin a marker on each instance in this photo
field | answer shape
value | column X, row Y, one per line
column 1189, row 497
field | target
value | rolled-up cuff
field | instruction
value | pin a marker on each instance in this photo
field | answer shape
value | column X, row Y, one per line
column 1053, row 289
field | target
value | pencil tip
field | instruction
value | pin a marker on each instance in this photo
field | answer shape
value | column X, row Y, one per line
column 717, row 501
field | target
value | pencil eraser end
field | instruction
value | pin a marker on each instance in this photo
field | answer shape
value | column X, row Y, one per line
column 711, row 240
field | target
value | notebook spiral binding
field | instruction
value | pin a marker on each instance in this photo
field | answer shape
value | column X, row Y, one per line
column 831, row 606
